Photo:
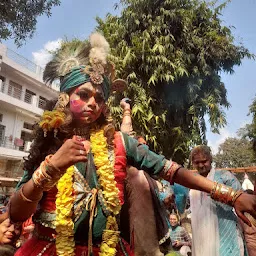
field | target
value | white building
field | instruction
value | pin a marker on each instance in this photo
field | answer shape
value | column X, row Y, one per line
column 22, row 97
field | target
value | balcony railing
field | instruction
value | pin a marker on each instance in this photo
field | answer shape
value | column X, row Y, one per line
column 24, row 62
column 22, row 95
column 29, row 65
column 16, row 143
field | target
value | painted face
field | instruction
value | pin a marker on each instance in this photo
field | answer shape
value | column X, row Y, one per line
column 9, row 232
column 87, row 102
column 202, row 163
column 173, row 220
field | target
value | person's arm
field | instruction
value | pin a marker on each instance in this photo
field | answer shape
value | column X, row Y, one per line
column 24, row 202
column 192, row 180
column 242, row 202
column 126, row 126
column 142, row 158
column 187, row 238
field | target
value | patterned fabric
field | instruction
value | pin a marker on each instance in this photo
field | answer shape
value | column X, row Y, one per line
column 78, row 76
column 228, row 222
column 170, row 170
column 127, row 151
column 214, row 221
column 46, row 248
column 161, row 217
column 179, row 233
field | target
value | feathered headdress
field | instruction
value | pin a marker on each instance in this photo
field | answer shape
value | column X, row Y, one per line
column 78, row 62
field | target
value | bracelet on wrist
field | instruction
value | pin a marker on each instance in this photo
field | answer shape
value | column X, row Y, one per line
column 25, row 199
column 126, row 124
column 47, row 175
column 224, row 194
column 50, row 164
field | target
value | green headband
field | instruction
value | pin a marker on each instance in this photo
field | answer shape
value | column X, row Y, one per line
column 77, row 76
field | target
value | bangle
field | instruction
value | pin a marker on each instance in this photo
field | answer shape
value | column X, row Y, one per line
column 214, row 189
column 236, row 195
column 126, row 114
column 169, row 170
column 126, row 124
column 127, row 110
column 224, row 194
column 25, row 199
column 47, row 175
column 50, row 164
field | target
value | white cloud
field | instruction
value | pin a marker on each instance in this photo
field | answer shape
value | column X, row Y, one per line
column 42, row 56
column 217, row 139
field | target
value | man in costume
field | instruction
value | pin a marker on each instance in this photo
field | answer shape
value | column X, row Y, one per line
column 75, row 172
column 215, row 227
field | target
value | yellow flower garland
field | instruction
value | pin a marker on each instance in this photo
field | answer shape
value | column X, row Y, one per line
column 65, row 244
column 105, row 172
column 107, row 181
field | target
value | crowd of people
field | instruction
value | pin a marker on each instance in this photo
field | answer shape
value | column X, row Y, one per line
column 95, row 191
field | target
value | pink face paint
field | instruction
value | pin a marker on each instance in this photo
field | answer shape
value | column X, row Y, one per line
column 76, row 106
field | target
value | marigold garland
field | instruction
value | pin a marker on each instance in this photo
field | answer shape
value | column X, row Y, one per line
column 65, row 244
column 106, row 179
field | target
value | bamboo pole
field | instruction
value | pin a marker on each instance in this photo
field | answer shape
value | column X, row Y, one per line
column 239, row 169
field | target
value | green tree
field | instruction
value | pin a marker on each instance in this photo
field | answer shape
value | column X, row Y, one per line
column 249, row 130
column 252, row 134
column 18, row 17
column 172, row 53
column 233, row 153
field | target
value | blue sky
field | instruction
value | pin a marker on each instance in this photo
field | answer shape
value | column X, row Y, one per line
column 77, row 19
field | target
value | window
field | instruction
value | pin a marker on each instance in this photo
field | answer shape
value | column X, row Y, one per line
column 2, row 80
column 15, row 90
column 42, row 102
column 28, row 126
column 2, row 134
column 28, row 96
column 1, row 117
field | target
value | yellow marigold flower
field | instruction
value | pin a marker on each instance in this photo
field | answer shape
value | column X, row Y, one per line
column 105, row 171
column 65, row 244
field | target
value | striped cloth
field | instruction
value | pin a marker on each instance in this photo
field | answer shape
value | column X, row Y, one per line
column 229, row 233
